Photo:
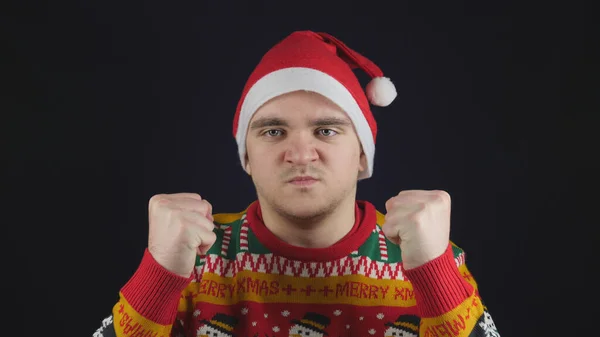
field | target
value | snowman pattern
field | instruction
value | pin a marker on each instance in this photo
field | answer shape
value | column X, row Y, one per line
column 396, row 332
column 311, row 325
column 208, row 331
column 220, row 325
column 404, row 326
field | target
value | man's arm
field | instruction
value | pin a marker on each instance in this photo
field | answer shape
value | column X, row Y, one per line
column 448, row 299
column 446, row 294
column 151, row 303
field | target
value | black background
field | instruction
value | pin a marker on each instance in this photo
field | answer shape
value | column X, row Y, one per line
column 109, row 103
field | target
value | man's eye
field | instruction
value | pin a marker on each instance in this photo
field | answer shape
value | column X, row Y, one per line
column 273, row 133
column 327, row 132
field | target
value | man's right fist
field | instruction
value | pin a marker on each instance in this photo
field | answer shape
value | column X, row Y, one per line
column 181, row 226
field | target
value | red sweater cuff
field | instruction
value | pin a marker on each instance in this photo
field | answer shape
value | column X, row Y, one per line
column 154, row 292
column 438, row 285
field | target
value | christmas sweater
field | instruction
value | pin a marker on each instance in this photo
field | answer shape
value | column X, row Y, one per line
column 251, row 284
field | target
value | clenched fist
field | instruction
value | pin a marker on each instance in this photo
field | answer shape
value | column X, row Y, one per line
column 419, row 221
column 181, row 226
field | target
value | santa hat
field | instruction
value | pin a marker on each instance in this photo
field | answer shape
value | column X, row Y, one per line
column 320, row 63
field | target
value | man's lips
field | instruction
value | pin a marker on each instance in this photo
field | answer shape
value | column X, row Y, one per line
column 303, row 180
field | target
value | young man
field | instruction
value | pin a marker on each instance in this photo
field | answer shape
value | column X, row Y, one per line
column 306, row 258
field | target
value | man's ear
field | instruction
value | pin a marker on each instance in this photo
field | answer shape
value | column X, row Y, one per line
column 247, row 164
column 362, row 164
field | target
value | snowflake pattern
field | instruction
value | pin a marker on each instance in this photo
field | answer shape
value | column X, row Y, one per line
column 488, row 326
column 285, row 313
column 244, row 311
column 372, row 331
column 347, row 326
column 197, row 313
column 361, row 318
column 266, row 315
column 380, row 315
column 254, row 323
column 337, row 312
column 276, row 328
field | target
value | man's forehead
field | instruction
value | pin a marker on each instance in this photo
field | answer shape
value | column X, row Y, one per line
column 301, row 110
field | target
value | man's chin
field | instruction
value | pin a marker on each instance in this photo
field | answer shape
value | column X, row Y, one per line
column 308, row 209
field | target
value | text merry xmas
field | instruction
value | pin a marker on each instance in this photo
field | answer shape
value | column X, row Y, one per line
column 248, row 285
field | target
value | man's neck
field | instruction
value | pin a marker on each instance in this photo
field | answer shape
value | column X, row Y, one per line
column 321, row 232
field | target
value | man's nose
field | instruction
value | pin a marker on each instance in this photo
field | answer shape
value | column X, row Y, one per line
column 300, row 149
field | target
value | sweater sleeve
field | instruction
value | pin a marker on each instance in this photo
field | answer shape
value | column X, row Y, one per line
column 151, row 303
column 448, row 299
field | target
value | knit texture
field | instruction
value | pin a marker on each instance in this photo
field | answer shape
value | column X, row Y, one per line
column 250, row 283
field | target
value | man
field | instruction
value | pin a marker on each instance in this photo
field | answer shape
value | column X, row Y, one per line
column 306, row 258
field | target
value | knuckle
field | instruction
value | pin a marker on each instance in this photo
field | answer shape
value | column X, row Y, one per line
column 212, row 236
column 208, row 238
column 190, row 245
column 416, row 217
column 161, row 196
column 202, row 206
column 156, row 201
column 196, row 195
column 208, row 207
column 187, row 195
column 390, row 203
column 174, row 213
column 156, row 198
column 386, row 229
column 442, row 196
column 421, row 206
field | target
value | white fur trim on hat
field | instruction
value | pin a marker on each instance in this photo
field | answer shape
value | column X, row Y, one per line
column 298, row 78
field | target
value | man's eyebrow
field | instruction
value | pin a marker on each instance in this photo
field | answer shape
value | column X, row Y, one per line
column 275, row 121
column 329, row 121
column 267, row 121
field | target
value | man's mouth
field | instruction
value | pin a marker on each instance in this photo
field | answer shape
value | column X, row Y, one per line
column 303, row 180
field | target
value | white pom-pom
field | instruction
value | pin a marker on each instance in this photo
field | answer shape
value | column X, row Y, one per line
column 381, row 91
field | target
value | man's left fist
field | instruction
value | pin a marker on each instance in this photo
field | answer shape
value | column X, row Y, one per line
column 419, row 221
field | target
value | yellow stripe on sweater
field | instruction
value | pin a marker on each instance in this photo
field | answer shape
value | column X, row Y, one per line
column 227, row 218
column 270, row 288
column 458, row 322
column 128, row 322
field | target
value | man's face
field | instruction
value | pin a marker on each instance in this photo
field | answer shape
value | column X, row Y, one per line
column 303, row 155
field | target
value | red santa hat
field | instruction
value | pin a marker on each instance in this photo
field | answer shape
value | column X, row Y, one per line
column 323, row 64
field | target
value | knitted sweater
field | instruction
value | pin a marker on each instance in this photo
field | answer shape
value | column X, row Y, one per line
column 250, row 283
